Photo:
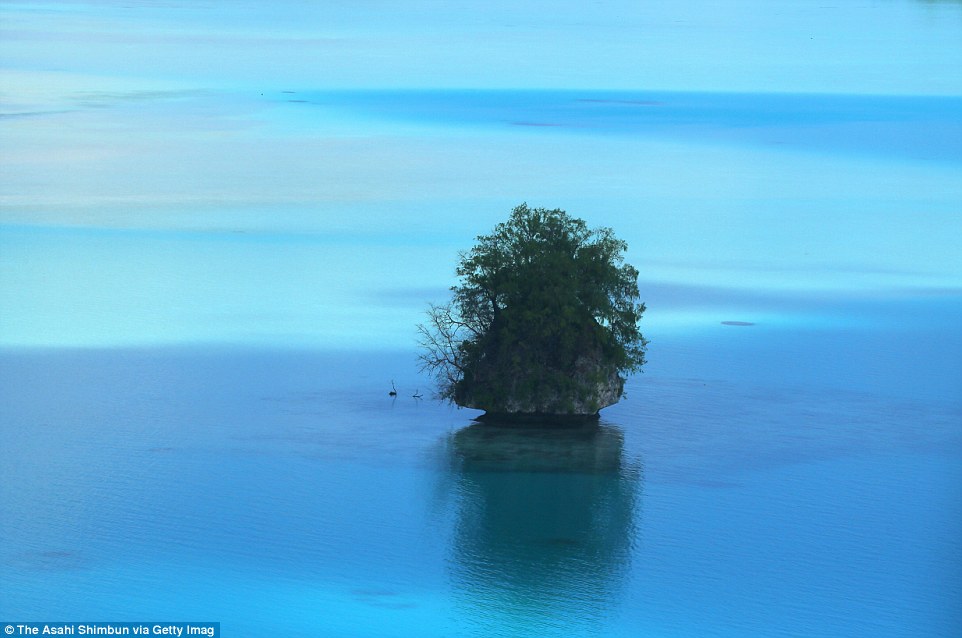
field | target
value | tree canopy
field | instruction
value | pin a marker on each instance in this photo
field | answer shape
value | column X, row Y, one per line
column 539, row 299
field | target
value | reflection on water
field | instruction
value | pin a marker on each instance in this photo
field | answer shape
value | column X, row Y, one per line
column 545, row 525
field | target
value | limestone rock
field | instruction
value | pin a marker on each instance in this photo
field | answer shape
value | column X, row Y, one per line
column 532, row 393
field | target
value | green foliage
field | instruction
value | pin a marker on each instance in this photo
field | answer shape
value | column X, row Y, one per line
column 537, row 298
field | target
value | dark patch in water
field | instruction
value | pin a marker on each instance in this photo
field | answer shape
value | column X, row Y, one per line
column 562, row 541
column 737, row 323
column 487, row 447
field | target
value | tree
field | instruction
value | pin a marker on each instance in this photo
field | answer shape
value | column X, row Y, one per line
column 545, row 314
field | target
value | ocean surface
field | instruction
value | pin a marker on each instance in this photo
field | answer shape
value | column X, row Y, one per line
column 195, row 418
column 220, row 224
column 758, row 480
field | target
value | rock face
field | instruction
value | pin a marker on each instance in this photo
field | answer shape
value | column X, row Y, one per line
column 533, row 393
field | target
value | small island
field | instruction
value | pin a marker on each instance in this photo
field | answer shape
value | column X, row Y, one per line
column 543, row 326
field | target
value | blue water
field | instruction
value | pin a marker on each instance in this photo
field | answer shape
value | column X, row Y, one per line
column 195, row 420
column 917, row 127
column 758, row 480
column 331, row 221
column 221, row 222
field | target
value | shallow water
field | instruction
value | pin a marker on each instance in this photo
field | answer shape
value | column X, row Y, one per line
column 332, row 221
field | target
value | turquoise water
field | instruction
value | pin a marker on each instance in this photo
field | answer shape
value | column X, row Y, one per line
column 330, row 221
column 221, row 222
column 757, row 481
column 917, row 127
column 194, row 393
column 196, row 421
